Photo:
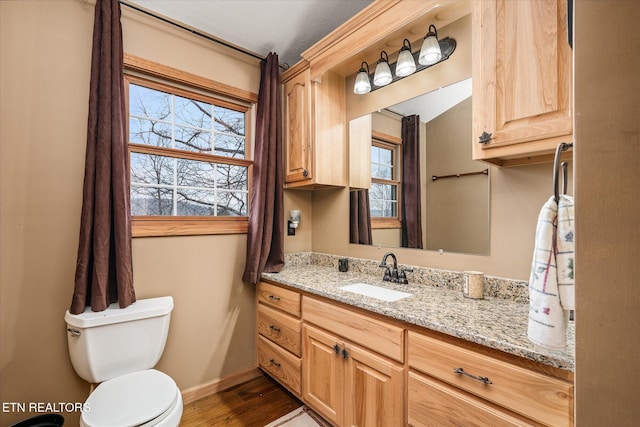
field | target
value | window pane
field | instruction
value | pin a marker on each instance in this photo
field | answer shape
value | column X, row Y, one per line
column 193, row 173
column 150, row 103
column 383, row 200
column 229, row 121
column 151, row 201
column 196, row 202
column 150, row 169
column 192, row 113
column 232, row 177
column 385, row 156
column 376, row 208
column 381, row 171
column 192, row 139
column 230, row 146
column 232, row 203
column 381, row 163
column 150, row 132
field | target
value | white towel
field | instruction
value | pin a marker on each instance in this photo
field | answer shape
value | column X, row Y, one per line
column 564, row 252
column 552, row 265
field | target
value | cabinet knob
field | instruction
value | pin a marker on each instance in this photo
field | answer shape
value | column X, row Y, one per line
column 485, row 138
column 345, row 353
column 336, row 349
column 305, row 173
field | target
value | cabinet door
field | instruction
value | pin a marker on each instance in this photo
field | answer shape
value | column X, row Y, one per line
column 297, row 128
column 374, row 389
column 323, row 365
column 522, row 77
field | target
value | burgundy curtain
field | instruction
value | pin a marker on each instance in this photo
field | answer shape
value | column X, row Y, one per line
column 265, row 237
column 359, row 218
column 104, row 268
column 411, row 208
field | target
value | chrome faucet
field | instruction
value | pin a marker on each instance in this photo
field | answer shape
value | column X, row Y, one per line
column 392, row 274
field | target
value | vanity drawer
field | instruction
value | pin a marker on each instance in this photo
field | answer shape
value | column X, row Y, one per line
column 434, row 404
column 280, row 298
column 280, row 328
column 378, row 336
column 542, row 398
column 280, row 364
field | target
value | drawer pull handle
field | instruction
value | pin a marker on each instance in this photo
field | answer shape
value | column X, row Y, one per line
column 273, row 362
column 475, row 377
column 274, row 298
column 274, row 328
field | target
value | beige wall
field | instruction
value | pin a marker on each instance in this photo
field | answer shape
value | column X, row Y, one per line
column 457, row 209
column 45, row 65
column 607, row 155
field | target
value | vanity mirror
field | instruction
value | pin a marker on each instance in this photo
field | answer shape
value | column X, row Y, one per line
column 452, row 212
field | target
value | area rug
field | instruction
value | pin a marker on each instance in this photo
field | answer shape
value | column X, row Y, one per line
column 301, row 417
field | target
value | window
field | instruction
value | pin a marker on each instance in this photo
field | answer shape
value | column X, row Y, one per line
column 385, row 184
column 189, row 161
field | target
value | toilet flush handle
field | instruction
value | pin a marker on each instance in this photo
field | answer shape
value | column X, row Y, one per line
column 74, row 332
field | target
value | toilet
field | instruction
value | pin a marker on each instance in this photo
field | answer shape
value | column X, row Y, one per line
column 117, row 348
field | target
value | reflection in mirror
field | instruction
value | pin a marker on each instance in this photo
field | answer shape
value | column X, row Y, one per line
column 452, row 202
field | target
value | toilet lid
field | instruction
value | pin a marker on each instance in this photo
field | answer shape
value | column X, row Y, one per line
column 131, row 399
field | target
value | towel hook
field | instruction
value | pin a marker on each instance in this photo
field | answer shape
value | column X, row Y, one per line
column 564, row 146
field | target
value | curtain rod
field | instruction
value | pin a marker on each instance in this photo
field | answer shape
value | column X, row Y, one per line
column 197, row 33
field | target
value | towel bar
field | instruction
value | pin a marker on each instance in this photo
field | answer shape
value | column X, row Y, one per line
column 564, row 146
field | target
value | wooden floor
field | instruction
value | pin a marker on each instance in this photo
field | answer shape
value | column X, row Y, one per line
column 252, row 404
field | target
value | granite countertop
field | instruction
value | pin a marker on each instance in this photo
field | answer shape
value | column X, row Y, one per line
column 497, row 323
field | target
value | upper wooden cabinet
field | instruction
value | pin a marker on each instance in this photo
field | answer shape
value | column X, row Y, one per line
column 314, row 130
column 522, row 80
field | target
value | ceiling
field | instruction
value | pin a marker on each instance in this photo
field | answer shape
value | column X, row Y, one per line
column 432, row 104
column 286, row 27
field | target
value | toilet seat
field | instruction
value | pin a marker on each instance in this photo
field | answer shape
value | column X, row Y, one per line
column 135, row 399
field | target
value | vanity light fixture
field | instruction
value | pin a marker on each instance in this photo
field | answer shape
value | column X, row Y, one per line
column 406, row 64
column 362, row 85
column 430, row 53
column 382, row 76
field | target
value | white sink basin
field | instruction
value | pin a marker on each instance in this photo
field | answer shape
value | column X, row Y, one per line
column 377, row 292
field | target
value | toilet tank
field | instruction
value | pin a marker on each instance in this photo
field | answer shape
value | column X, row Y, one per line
column 118, row 341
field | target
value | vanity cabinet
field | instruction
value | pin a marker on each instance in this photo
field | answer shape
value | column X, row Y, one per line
column 357, row 368
column 522, row 81
column 452, row 385
column 345, row 382
column 314, row 130
column 279, row 340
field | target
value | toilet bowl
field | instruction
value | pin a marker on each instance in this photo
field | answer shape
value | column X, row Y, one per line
column 117, row 349
column 145, row 398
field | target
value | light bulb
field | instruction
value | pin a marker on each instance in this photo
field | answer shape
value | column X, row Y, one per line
column 430, row 52
column 362, row 84
column 406, row 65
column 382, row 76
